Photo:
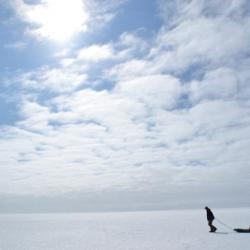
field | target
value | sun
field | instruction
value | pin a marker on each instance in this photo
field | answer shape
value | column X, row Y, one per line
column 59, row 20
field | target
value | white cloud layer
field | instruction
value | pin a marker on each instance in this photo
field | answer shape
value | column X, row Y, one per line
column 176, row 116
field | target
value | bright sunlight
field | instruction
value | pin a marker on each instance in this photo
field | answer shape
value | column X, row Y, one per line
column 59, row 20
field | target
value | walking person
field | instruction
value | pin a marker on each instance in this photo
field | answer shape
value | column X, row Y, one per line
column 210, row 218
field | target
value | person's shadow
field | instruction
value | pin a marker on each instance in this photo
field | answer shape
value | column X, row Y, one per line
column 221, row 232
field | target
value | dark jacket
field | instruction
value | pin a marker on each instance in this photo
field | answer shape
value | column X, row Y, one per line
column 210, row 215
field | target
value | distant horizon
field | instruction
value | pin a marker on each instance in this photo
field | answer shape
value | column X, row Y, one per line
column 72, row 205
column 124, row 211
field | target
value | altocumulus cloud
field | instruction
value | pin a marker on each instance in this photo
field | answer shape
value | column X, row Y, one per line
column 170, row 118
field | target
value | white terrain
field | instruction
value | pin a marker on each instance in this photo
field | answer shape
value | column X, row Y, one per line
column 159, row 230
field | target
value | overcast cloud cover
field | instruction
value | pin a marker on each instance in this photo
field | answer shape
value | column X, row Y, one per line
column 145, row 106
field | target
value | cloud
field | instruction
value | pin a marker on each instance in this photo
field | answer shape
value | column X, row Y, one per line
column 127, row 45
column 35, row 117
column 174, row 12
column 129, row 70
column 102, row 12
column 96, row 53
column 220, row 83
column 158, row 91
column 134, row 43
column 201, row 38
column 57, row 80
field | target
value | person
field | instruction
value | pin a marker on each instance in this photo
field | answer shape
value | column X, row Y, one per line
column 210, row 218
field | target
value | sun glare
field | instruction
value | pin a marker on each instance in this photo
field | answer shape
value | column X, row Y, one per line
column 60, row 19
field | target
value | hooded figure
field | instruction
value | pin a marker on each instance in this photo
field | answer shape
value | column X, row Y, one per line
column 210, row 218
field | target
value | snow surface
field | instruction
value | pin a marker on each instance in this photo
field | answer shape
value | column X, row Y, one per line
column 173, row 230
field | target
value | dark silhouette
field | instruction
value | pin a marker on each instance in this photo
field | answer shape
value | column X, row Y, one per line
column 210, row 218
column 241, row 230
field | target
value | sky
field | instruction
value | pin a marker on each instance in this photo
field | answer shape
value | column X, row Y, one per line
column 124, row 104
